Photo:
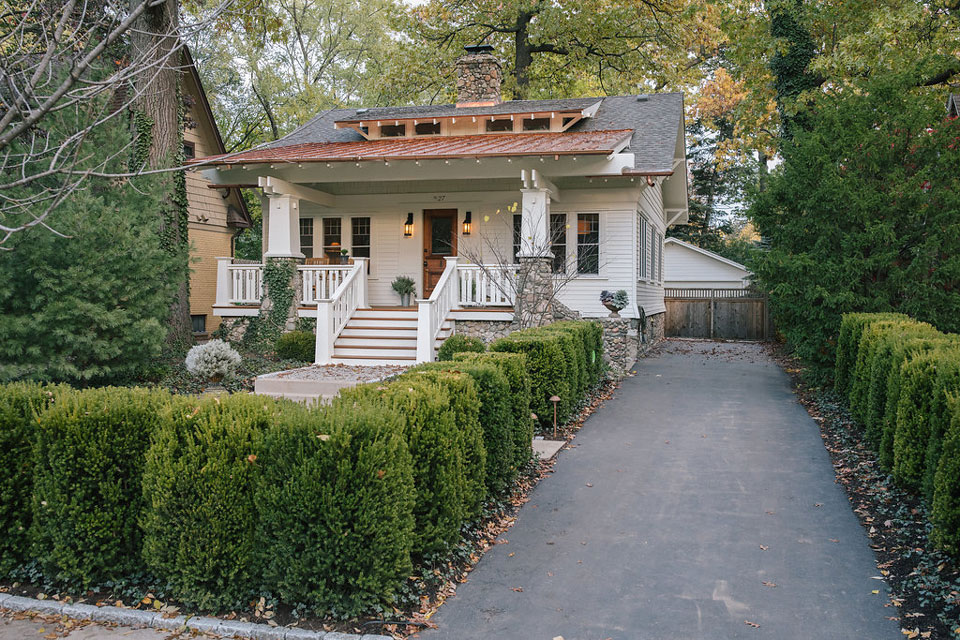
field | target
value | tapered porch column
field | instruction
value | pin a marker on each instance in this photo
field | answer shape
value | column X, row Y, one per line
column 535, row 224
column 283, row 227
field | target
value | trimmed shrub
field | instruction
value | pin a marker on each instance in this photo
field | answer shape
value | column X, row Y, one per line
column 870, row 339
column 514, row 367
column 546, row 365
column 945, row 512
column 200, row 522
column 577, row 373
column 848, row 344
column 335, row 500
column 436, row 447
column 88, row 464
column 591, row 334
column 946, row 386
column 458, row 344
column 496, row 419
column 297, row 345
column 19, row 404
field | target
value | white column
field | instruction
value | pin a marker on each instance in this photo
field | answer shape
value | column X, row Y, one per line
column 324, row 349
column 361, row 264
column 283, row 227
column 224, row 284
column 425, row 337
column 535, row 224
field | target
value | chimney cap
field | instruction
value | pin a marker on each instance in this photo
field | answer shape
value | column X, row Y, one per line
column 479, row 48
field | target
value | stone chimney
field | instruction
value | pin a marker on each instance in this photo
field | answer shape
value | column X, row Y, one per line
column 478, row 77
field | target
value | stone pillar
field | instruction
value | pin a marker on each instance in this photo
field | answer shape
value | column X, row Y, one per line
column 535, row 292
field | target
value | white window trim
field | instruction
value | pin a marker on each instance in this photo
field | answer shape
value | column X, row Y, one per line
column 576, row 246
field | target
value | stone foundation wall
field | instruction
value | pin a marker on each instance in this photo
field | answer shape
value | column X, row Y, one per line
column 232, row 329
column 486, row 330
column 621, row 344
column 655, row 328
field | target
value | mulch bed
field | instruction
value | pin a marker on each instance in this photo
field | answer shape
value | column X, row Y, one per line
column 924, row 583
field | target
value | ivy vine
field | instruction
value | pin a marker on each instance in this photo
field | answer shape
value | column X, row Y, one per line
column 264, row 330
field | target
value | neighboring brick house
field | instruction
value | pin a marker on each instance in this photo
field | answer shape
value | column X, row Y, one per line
column 215, row 215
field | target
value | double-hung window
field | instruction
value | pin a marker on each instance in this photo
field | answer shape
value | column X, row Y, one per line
column 306, row 237
column 643, row 248
column 331, row 239
column 360, row 238
column 558, row 241
column 588, row 243
column 517, row 236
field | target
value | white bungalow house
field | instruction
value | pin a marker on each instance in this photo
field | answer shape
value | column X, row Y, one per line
column 464, row 199
column 687, row 266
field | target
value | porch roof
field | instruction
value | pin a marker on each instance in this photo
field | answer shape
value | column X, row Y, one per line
column 473, row 146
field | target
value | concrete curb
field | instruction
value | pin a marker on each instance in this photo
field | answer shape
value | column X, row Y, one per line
column 154, row 620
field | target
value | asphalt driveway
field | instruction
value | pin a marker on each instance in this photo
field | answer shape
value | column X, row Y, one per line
column 698, row 503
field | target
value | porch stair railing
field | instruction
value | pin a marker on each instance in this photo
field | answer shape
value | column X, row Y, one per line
column 334, row 312
column 432, row 312
column 486, row 285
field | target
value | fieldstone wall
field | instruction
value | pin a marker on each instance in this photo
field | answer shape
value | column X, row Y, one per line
column 621, row 344
column 478, row 78
column 232, row 329
column 655, row 328
column 486, row 330
column 562, row 312
column 537, row 305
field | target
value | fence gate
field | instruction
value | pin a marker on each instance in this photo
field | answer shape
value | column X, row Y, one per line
column 725, row 314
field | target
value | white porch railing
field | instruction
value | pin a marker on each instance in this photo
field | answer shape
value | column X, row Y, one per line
column 487, row 285
column 239, row 283
column 318, row 282
column 334, row 312
column 431, row 313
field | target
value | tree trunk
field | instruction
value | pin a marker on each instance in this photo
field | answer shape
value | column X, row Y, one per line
column 523, row 57
column 153, row 42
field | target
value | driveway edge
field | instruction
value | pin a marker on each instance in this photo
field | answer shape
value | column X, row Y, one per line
column 154, row 620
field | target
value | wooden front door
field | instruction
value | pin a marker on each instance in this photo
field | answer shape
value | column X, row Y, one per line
column 439, row 242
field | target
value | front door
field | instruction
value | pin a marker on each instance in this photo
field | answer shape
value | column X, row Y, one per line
column 439, row 242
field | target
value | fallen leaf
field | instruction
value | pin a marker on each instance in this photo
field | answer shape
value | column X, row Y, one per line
column 769, row 584
column 589, row 484
column 517, row 589
column 875, row 591
column 751, row 624
column 763, row 547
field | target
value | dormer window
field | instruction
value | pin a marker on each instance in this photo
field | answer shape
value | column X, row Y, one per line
column 500, row 125
column 427, row 128
column 393, row 130
column 536, row 124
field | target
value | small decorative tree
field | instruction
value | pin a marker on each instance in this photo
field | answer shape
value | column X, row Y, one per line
column 213, row 361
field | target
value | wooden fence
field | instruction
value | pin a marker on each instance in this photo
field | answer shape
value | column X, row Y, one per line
column 724, row 314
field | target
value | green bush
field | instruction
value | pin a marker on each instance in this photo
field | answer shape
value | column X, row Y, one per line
column 458, row 344
column 945, row 511
column 591, row 336
column 335, row 501
column 852, row 326
column 496, row 419
column 87, row 500
column 546, row 364
column 870, row 339
column 19, row 402
column 514, row 367
column 577, row 372
column 445, row 497
column 297, row 345
column 200, row 522
column 946, row 387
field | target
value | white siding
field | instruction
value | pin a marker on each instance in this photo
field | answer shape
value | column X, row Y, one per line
column 650, row 289
column 688, row 268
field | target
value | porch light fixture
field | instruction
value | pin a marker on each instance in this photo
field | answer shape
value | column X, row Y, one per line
column 408, row 226
column 467, row 223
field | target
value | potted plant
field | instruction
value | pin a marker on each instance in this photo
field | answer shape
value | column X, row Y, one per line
column 344, row 256
column 213, row 361
column 614, row 301
column 405, row 287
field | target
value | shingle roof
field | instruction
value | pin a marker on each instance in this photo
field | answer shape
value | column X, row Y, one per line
column 656, row 121
column 482, row 145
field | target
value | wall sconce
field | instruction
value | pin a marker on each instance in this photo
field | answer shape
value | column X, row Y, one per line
column 408, row 226
column 467, row 223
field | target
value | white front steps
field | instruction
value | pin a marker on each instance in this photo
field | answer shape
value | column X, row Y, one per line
column 386, row 335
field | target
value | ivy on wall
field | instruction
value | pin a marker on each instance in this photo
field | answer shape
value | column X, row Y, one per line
column 262, row 331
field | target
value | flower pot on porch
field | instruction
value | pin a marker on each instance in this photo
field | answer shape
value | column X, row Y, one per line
column 405, row 300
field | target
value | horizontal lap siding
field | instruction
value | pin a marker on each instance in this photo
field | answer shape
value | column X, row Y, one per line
column 686, row 268
column 649, row 292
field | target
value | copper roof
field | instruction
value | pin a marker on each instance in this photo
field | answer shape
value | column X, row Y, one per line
column 435, row 147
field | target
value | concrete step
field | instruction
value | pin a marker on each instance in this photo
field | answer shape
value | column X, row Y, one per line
column 304, row 398
column 375, row 360
column 378, row 332
column 391, row 322
column 386, row 340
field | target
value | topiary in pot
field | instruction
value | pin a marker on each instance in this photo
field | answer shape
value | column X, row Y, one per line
column 405, row 287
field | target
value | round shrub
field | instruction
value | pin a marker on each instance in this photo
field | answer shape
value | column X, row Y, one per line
column 212, row 360
column 19, row 404
column 457, row 344
column 88, row 463
column 514, row 367
column 297, row 345
column 200, row 521
column 335, row 500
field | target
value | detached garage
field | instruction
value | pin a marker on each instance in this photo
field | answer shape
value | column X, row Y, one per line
column 689, row 267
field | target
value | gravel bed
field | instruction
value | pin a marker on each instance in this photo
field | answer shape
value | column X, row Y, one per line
column 347, row 373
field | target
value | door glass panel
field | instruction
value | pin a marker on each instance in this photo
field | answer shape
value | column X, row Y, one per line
column 441, row 236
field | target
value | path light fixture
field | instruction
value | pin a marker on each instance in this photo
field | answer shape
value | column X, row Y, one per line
column 554, row 400
column 408, row 226
column 468, row 223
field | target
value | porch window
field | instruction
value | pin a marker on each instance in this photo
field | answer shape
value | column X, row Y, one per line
column 558, row 241
column 393, row 130
column 499, row 126
column 517, row 236
column 588, row 243
column 306, row 237
column 331, row 239
column 360, row 238
column 536, row 124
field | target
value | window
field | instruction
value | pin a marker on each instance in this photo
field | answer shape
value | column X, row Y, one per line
column 500, row 125
column 306, row 237
column 331, row 239
column 653, row 253
column 558, row 241
column 198, row 323
column 517, row 236
column 427, row 128
column 660, row 257
column 536, row 124
column 393, row 130
column 189, row 151
column 643, row 248
column 588, row 243
column 360, row 237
